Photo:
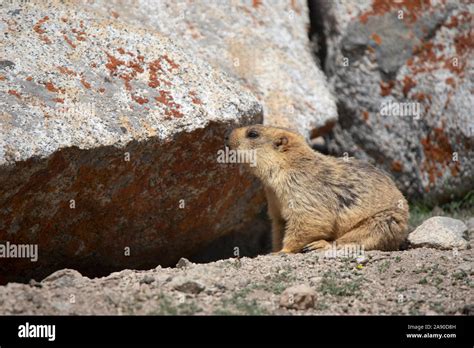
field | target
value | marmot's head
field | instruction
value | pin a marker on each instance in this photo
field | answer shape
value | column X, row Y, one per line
column 272, row 147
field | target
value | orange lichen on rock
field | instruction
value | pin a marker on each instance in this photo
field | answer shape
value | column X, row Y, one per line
column 377, row 39
column 66, row 71
column 425, row 53
column 156, row 67
column 461, row 18
column 85, row 83
column 450, row 81
column 256, row 3
column 397, row 166
column 464, row 43
column 438, row 155
column 140, row 100
column 113, row 64
column 171, row 108
column 194, row 98
column 40, row 31
column 410, row 8
column 153, row 67
column 421, row 97
column 37, row 27
column 408, row 84
column 80, row 34
column 128, row 70
column 15, row 93
column 386, row 87
column 122, row 51
column 52, row 88
column 68, row 40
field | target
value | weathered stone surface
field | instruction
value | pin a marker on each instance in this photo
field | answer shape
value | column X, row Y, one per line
column 187, row 286
column 183, row 263
column 298, row 297
column 263, row 43
column 65, row 278
column 470, row 225
column 108, row 146
column 440, row 232
column 383, row 55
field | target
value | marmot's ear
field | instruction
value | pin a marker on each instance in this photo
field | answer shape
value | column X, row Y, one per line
column 280, row 143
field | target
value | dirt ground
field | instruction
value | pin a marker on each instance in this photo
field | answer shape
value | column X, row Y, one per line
column 415, row 281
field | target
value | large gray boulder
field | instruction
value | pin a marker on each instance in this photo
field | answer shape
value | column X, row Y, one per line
column 264, row 44
column 108, row 144
column 403, row 76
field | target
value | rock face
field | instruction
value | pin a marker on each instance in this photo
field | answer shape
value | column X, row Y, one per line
column 262, row 43
column 298, row 297
column 440, row 232
column 108, row 147
column 402, row 72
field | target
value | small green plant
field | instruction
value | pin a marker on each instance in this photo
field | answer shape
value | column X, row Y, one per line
column 466, row 203
column 239, row 304
column 423, row 281
column 437, row 281
column 423, row 269
column 320, row 306
column 331, row 284
column 383, row 267
column 437, row 307
column 166, row 306
column 278, row 282
column 460, row 275
column 188, row 308
column 434, row 269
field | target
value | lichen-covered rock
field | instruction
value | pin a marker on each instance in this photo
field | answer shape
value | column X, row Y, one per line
column 263, row 43
column 402, row 72
column 440, row 232
column 108, row 146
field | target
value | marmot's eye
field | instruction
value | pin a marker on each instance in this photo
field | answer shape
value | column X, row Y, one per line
column 252, row 134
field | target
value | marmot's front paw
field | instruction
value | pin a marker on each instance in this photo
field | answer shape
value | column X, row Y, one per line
column 282, row 252
column 318, row 245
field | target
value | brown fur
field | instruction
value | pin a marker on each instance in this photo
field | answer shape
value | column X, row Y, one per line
column 314, row 200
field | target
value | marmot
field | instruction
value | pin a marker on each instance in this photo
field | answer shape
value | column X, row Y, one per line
column 314, row 199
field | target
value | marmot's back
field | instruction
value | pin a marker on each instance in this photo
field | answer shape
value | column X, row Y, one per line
column 369, row 191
